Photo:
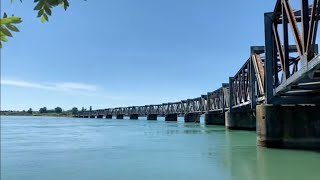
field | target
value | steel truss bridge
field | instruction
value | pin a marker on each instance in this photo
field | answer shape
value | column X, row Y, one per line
column 276, row 73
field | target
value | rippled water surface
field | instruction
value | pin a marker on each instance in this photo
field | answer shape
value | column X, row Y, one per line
column 42, row 148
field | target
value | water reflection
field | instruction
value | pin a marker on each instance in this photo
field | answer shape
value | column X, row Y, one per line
column 245, row 159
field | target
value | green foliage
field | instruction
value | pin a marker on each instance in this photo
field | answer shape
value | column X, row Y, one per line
column 43, row 110
column 29, row 111
column 58, row 110
column 74, row 110
column 7, row 27
column 44, row 11
column 44, row 7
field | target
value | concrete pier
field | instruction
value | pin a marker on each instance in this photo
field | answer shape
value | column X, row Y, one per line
column 171, row 117
column 217, row 118
column 120, row 116
column 92, row 117
column 108, row 116
column 240, row 120
column 134, row 116
column 192, row 117
column 152, row 117
column 296, row 127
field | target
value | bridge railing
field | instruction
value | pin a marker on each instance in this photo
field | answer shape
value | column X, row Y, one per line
column 287, row 69
column 218, row 100
column 241, row 88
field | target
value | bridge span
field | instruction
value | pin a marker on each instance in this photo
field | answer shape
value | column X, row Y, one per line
column 276, row 92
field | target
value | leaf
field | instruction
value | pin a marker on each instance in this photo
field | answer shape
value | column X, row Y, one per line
column 4, row 39
column 12, row 27
column 5, row 21
column 65, row 4
column 40, row 13
column 48, row 10
column 5, row 31
column 15, row 19
column 12, row 19
column 39, row 6
column 44, row 17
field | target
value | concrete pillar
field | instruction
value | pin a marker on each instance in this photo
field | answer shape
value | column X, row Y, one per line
column 92, row 117
column 217, row 118
column 152, row 117
column 108, row 116
column 192, row 117
column 100, row 116
column 240, row 120
column 134, row 116
column 171, row 117
column 120, row 116
column 295, row 127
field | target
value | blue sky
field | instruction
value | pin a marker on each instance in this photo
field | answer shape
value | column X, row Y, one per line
column 112, row 53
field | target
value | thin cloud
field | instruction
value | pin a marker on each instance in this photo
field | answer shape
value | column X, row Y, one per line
column 63, row 86
column 77, row 86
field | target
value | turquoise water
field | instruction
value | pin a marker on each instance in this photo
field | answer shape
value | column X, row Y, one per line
column 43, row 148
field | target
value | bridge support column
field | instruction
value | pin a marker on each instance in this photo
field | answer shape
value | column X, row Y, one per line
column 120, row 116
column 92, row 117
column 217, row 118
column 240, row 120
column 100, row 116
column 152, row 117
column 192, row 117
column 134, row 116
column 295, row 127
column 108, row 116
column 171, row 117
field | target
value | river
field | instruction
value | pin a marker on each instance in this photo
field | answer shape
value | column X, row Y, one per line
column 47, row 148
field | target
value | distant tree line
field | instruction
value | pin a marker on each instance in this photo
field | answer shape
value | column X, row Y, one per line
column 45, row 111
column 57, row 110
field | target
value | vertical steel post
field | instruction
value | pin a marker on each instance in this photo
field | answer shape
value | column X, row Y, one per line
column 305, row 22
column 252, row 83
column 285, row 62
column 268, row 57
column 231, row 79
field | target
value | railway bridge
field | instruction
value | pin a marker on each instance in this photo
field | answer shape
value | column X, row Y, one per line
column 276, row 92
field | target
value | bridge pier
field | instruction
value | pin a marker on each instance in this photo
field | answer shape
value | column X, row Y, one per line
column 171, row 117
column 214, row 118
column 240, row 120
column 100, row 116
column 296, row 127
column 92, row 117
column 134, row 116
column 152, row 117
column 120, row 116
column 192, row 117
column 108, row 116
